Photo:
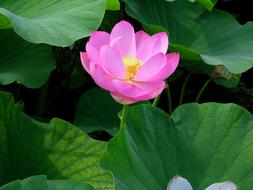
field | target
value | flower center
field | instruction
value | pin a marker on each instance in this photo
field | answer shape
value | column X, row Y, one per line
column 132, row 66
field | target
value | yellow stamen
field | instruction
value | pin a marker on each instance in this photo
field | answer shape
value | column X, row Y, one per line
column 132, row 66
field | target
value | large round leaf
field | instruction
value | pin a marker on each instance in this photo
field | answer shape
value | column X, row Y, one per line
column 41, row 183
column 204, row 143
column 23, row 62
column 53, row 22
column 215, row 37
column 97, row 111
column 58, row 150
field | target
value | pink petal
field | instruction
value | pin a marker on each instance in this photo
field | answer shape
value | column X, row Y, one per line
column 141, row 38
column 122, row 99
column 93, row 53
column 162, row 42
column 150, row 68
column 101, row 78
column 99, row 38
column 129, row 100
column 123, row 39
column 152, row 94
column 157, row 43
column 169, row 67
column 139, row 91
column 145, row 52
column 85, row 61
column 112, row 62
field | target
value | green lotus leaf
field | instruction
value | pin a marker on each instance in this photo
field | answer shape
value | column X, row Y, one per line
column 58, row 150
column 97, row 111
column 53, row 22
column 24, row 62
column 41, row 183
column 215, row 37
column 205, row 143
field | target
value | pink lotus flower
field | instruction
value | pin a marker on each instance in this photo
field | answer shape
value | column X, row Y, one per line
column 132, row 66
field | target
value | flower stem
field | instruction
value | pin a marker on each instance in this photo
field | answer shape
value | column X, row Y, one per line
column 156, row 100
column 124, row 115
column 183, row 89
column 169, row 99
column 202, row 89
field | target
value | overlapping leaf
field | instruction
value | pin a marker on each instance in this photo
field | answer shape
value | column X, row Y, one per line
column 54, row 22
column 215, row 37
column 41, row 183
column 112, row 5
column 97, row 111
column 23, row 62
column 58, row 150
column 204, row 143
column 208, row 4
